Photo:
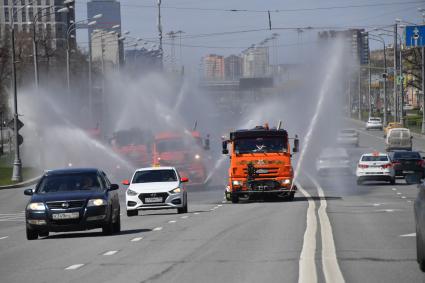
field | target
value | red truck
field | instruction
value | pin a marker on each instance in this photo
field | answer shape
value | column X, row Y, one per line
column 134, row 145
column 185, row 151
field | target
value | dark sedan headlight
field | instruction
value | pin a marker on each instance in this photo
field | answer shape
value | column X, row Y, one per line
column 96, row 202
column 36, row 206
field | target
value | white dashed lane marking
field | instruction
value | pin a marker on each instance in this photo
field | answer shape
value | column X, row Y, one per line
column 110, row 253
column 196, row 213
column 172, row 221
column 184, row 217
column 136, row 239
column 5, row 237
column 157, row 229
column 75, row 266
column 409, row 235
column 394, row 189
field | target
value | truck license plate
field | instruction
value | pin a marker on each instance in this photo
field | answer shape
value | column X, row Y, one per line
column 262, row 171
column 152, row 200
column 70, row 215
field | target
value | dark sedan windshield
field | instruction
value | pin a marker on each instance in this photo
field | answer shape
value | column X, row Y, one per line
column 155, row 176
column 406, row 155
column 253, row 145
column 70, row 182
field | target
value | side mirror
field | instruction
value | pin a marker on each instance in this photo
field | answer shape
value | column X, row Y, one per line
column 125, row 182
column 184, row 180
column 113, row 187
column 28, row 192
column 225, row 150
column 423, row 157
column 296, row 144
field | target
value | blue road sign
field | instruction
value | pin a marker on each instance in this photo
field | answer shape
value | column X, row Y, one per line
column 415, row 36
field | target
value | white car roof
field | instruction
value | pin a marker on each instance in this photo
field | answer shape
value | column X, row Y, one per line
column 334, row 152
column 374, row 118
column 375, row 154
column 156, row 168
column 398, row 129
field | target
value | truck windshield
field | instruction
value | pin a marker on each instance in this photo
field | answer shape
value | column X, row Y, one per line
column 125, row 138
column 254, row 145
column 169, row 145
column 155, row 176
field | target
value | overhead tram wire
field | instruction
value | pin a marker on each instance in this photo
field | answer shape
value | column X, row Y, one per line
column 381, row 4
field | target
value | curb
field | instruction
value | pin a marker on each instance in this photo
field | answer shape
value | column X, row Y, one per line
column 22, row 184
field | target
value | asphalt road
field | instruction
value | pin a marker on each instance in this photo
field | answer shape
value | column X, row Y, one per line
column 334, row 231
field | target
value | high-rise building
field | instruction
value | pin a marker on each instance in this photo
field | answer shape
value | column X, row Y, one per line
column 213, row 67
column 106, row 50
column 256, row 62
column 50, row 23
column 233, row 67
column 355, row 39
column 111, row 15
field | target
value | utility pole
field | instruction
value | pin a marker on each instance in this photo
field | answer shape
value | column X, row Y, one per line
column 401, row 87
column 1, row 133
column 395, row 96
column 17, row 164
column 423, row 90
column 160, row 34
column 369, row 87
column 360, row 93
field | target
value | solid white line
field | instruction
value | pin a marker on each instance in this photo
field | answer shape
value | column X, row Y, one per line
column 157, row 229
column 331, row 268
column 75, row 266
column 307, row 264
column 136, row 239
column 110, row 252
column 172, row 221
column 409, row 235
column 5, row 237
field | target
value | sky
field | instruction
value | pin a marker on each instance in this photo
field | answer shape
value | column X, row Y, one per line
column 227, row 32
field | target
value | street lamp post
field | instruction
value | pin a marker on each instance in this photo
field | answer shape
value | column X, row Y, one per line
column 70, row 29
column 384, row 75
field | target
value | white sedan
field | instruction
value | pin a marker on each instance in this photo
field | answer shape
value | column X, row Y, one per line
column 375, row 166
column 374, row 123
column 156, row 188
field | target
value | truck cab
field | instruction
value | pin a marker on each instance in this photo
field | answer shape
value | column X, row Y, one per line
column 184, row 151
column 398, row 138
column 260, row 163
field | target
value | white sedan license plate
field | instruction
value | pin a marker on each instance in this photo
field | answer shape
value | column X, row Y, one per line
column 152, row 200
column 70, row 215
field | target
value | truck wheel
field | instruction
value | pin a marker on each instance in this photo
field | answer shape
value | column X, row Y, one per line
column 291, row 196
column 228, row 196
column 235, row 198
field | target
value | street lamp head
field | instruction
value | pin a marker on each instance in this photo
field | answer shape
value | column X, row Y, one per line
column 121, row 38
column 92, row 23
column 63, row 10
column 139, row 39
column 116, row 26
column 68, row 2
column 126, row 32
column 98, row 16
column 398, row 20
column 112, row 32
column 421, row 9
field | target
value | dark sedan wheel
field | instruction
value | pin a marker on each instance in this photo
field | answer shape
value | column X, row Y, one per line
column 392, row 181
column 131, row 213
column 32, row 234
column 108, row 228
column 420, row 250
column 117, row 224
column 44, row 234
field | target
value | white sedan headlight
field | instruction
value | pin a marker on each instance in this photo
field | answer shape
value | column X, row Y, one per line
column 131, row 193
column 175, row 191
column 96, row 202
column 39, row 206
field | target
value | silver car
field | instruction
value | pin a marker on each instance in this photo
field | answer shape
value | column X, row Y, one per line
column 333, row 160
column 348, row 137
column 374, row 123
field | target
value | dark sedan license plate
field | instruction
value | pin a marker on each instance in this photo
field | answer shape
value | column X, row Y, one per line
column 70, row 215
